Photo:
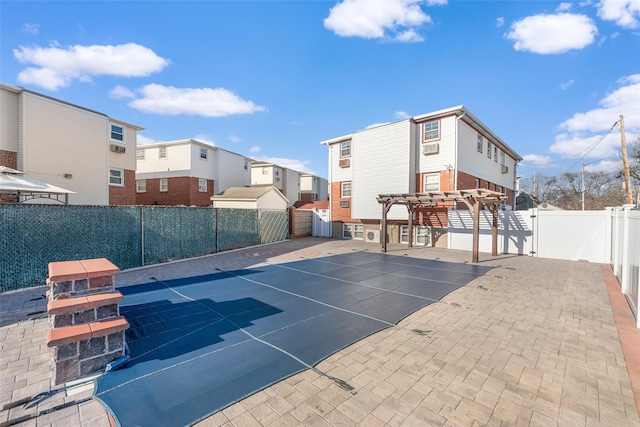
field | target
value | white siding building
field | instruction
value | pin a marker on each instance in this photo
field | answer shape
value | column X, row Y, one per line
column 444, row 150
column 187, row 172
column 66, row 145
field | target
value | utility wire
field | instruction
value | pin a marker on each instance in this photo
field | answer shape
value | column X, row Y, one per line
column 590, row 148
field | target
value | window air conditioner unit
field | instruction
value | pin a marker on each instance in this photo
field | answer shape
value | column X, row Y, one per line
column 344, row 203
column 118, row 148
column 372, row 236
column 345, row 163
column 432, row 148
column 505, row 169
column 277, row 179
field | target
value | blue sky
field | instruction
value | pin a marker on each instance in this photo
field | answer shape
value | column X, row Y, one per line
column 271, row 79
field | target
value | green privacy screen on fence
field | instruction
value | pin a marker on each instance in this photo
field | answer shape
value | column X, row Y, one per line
column 129, row 236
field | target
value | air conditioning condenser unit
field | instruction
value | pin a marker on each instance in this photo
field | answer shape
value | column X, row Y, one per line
column 372, row 236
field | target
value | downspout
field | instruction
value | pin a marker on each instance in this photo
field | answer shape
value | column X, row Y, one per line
column 455, row 150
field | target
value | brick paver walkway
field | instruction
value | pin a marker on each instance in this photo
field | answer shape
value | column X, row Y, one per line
column 534, row 343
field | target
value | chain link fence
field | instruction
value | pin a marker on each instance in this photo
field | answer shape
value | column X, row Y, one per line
column 129, row 236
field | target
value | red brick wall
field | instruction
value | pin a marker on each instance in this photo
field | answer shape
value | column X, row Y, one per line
column 124, row 195
column 181, row 191
column 338, row 213
column 9, row 159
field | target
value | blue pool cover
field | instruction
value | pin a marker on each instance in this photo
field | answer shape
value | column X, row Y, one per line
column 200, row 344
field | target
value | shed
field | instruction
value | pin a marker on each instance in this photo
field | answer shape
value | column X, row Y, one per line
column 262, row 198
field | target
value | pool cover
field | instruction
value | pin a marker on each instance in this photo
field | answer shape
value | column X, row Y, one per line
column 200, row 344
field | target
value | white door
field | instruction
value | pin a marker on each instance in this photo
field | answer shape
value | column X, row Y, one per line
column 321, row 226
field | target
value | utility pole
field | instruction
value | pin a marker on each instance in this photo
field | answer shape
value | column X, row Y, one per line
column 625, row 163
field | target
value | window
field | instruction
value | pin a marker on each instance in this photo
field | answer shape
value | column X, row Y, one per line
column 116, row 177
column 246, row 165
column 117, row 133
column 488, row 149
column 432, row 130
column 345, row 149
column 276, row 172
column 480, row 143
column 345, row 189
column 477, row 183
column 202, row 185
column 164, row 184
column 432, row 182
column 140, row 155
column 495, row 154
column 352, row 231
column 162, row 153
column 141, row 186
column 203, row 153
column 404, row 234
column 502, row 158
column 265, row 170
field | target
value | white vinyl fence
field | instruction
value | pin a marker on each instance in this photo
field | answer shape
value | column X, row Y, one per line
column 611, row 236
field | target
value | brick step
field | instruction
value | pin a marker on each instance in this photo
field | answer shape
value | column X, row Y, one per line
column 70, row 334
column 82, row 303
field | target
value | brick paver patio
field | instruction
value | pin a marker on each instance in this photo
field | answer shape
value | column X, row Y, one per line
column 533, row 342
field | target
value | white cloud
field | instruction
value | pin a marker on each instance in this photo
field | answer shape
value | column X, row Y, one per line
column 54, row 67
column 205, row 139
column 567, row 84
column 583, row 130
column 499, row 22
column 402, row 115
column 563, row 7
column 121, row 92
column 437, row 2
column 576, row 145
column 550, row 34
column 255, row 149
column 143, row 140
column 294, row 164
column 207, row 102
column 625, row 13
column 537, row 160
column 393, row 19
column 31, row 28
column 234, row 138
column 375, row 125
column 623, row 100
column 607, row 166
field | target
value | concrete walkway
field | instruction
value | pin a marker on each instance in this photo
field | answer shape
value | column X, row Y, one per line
column 533, row 342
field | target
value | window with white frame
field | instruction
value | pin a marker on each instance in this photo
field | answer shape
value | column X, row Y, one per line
column 477, row 183
column 431, row 130
column 117, row 133
column 246, row 165
column 345, row 149
column 116, row 177
column 421, row 235
column 352, row 231
column 141, row 186
column 164, row 184
column 495, row 154
column 431, row 182
column 489, row 148
column 202, row 185
column 480, row 143
column 345, row 189
column 502, row 158
column 265, row 170
column 139, row 154
column 203, row 153
column 162, row 152
column 276, row 171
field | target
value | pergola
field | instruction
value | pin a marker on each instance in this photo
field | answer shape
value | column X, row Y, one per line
column 474, row 199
